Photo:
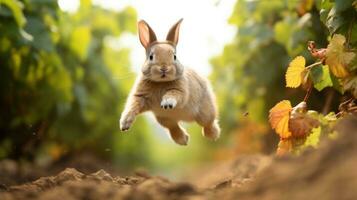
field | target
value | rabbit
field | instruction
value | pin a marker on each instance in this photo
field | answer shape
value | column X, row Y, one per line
column 168, row 89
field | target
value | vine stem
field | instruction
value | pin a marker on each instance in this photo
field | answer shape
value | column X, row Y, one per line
column 328, row 101
column 308, row 93
column 314, row 64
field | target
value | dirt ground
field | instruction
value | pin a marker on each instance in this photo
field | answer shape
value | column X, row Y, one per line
column 326, row 173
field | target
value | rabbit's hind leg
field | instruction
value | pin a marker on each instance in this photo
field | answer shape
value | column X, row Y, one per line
column 210, row 125
column 178, row 134
column 212, row 130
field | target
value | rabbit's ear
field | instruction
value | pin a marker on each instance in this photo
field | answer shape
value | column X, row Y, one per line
column 146, row 34
column 173, row 35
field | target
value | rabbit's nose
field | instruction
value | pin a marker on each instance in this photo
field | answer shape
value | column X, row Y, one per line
column 163, row 70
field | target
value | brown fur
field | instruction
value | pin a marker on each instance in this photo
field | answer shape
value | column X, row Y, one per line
column 173, row 95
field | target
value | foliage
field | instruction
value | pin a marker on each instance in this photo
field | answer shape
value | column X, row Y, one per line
column 335, row 62
column 279, row 118
column 294, row 74
column 58, row 88
column 249, row 74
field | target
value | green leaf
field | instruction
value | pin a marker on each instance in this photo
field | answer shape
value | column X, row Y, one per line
column 127, row 19
column 326, row 4
column 342, row 5
column 80, row 41
column 39, row 34
column 320, row 76
column 314, row 138
column 330, row 117
column 335, row 21
column 354, row 33
column 323, row 15
column 26, row 35
column 337, row 84
column 16, row 9
column 283, row 31
column 5, row 11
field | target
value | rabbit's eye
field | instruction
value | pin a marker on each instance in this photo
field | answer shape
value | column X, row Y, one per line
column 151, row 57
column 174, row 57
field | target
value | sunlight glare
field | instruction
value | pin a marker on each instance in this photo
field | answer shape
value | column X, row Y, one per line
column 204, row 31
column 70, row 6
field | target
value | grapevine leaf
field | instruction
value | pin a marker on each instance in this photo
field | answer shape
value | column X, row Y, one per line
column 335, row 21
column 337, row 83
column 283, row 127
column 293, row 74
column 320, row 76
column 40, row 34
column 330, row 117
column 16, row 9
column 314, row 138
column 323, row 15
column 353, row 64
column 337, row 58
column 313, row 114
column 351, row 85
column 300, row 123
column 81, row 38
column 279, row 117
column 326, row 4
column 343, row 5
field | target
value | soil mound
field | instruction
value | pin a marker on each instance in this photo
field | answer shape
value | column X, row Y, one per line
column 326, row 173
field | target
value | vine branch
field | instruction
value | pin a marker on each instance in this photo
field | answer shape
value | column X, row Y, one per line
column 314, row 64
column 308, row 93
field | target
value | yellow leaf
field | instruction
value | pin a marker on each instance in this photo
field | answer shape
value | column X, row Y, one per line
column 337, row 69
column 280, row 110
column 293, row 75
column 283, row 127
column 279, row 117
column 337, row 58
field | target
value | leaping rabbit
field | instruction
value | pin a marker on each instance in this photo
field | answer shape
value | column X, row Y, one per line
column 168, row 89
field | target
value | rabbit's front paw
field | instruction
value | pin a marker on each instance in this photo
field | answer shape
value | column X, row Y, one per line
column 168, row 103
column 126, row 121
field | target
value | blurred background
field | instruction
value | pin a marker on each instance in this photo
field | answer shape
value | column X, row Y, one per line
column 67, row 66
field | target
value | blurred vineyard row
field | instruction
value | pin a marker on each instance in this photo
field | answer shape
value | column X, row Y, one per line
column 249, row 76
column 58, row 94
